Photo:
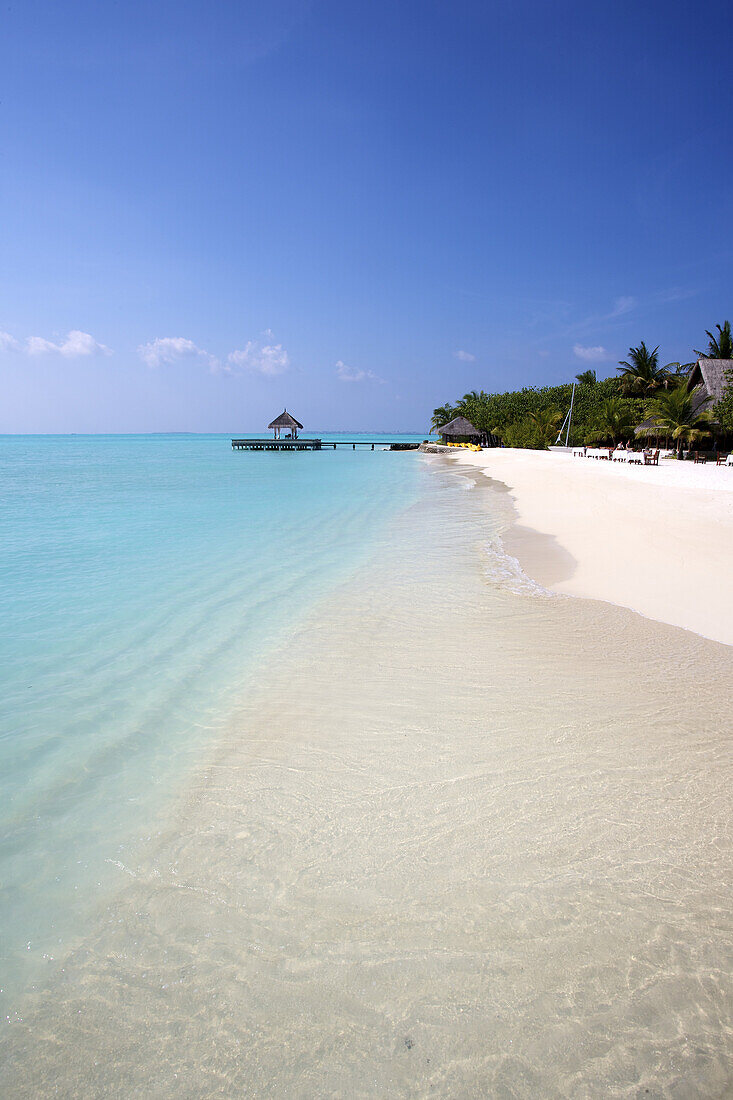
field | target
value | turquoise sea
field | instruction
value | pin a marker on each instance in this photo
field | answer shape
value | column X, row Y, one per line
column 141, row 580
column 307, row 790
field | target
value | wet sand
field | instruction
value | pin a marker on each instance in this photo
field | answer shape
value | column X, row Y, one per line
column 463, row 839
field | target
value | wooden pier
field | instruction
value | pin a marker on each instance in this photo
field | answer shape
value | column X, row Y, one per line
column 291, row 442
column 276, row 444
column 312, row 444
column 286, row 422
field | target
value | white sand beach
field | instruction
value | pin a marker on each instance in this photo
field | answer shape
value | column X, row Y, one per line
column 656, row 539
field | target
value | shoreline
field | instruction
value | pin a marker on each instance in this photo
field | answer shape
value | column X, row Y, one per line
column 656, row 540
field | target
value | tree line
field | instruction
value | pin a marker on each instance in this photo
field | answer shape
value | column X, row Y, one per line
column 607, row 410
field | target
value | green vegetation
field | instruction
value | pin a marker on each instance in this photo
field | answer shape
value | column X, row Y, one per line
column 642, row 375
column 673, row 415
column 531, row 417
column 720, row 347
column 678, row 372
column 442, row 415
column 586, row 378
column 615, row 421
column 545, row 424
column 606, row 410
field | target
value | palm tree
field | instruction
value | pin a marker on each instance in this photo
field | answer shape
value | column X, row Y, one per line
column 472, row 397
column 615, row 421
column 642, row 375
column 720, row 348
column 546, row 422
column 678, row 372
column 586, row 378
column 441, row 416
column 674, row 411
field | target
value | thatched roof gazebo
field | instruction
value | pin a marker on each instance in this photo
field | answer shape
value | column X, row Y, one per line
column 285, row 420
column 459, row 430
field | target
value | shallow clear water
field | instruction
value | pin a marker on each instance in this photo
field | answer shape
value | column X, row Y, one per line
column 456, row 837
column 139, row 578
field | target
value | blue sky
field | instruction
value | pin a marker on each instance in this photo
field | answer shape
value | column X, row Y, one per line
column 360, row 211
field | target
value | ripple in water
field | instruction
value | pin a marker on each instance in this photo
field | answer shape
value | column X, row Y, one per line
column 458, row 841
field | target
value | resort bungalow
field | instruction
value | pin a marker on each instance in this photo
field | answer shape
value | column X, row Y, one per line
column 459, row 430
column 709, row 378
column 285, row 422
column 710, row 375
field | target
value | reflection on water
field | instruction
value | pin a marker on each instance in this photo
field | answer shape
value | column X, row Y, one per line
column 464, row 840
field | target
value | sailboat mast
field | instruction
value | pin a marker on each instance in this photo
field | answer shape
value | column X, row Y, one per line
column 570, row 415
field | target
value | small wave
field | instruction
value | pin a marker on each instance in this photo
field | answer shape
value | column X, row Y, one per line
column 505, row 571
column 121, row 867
column 466, row 483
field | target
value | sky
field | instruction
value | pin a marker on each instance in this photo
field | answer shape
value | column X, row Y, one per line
column 213, row 210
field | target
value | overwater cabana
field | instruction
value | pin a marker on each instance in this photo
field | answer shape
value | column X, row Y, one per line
column 283, row 422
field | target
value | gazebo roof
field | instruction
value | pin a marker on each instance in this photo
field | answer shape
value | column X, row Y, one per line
column 458, row 426
column 285, row 420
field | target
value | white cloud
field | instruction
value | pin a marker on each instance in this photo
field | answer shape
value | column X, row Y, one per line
column 74, row 345
column 263, row 357
column 8, row 342
column 38, row 345
column 623, row 305
column 465, row 356
column 171, row 349
column 81, row 343
column 595, row 354
column 346, row 373
column 675, row 294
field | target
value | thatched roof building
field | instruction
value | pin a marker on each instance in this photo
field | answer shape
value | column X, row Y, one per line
column 459, row 430
column 711, row 376
column 285, row 420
